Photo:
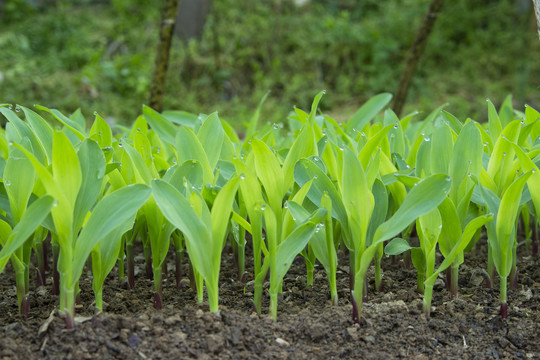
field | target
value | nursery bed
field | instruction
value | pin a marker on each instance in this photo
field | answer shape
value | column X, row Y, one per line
column 308, row 326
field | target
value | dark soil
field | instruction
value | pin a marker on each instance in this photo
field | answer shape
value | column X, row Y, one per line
column 308, row 327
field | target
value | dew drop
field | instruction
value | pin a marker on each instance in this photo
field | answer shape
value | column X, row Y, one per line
column 324, row 92
column 275, row 126
column 427, row 139
column 392, row 136
column 263, row 206
column 11, row 143
column 321, row 225
column 55, row 203
column 448, row 178
column 17, row 109
column 315, row 177
column 193, row 187
column 324, row 132
column 504, row 153
column 354, row 130
column 396, row 125
column 242, row 176
column 363, row 134
column 522, row 122
column 533, row 171
column 7, row 183
column 286, row 206
column 408, row 167
column 249, row 142
column 120, row 145
column 316, row 158
column 10, row 107
column 95, row 113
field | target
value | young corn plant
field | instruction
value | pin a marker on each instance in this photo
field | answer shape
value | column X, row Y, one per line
column 204, row 230
column 75, row 181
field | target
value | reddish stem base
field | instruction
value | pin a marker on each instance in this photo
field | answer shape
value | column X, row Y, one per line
column 158, row 303
column 355, row 314
column 504, row 310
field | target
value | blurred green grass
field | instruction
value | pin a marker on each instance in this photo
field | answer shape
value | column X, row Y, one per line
column 98, row 56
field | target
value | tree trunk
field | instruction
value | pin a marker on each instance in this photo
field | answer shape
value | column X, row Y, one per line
column 191, row 19
column 415, row 53
column 157, row 88
column 536, row 5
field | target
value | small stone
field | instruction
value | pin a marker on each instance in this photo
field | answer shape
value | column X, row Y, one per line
column 179, row 336
column 215, row 343
column 439, row 284
column 171, row 320
column 527, row 294
column 353, row 332
column 133, row 340
column 282, row 342
column 369, row 339
column 199, row 313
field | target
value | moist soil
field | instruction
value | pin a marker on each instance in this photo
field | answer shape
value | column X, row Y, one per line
column 308, row 326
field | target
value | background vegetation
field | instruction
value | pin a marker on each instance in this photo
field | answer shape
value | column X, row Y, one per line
column 98, row 55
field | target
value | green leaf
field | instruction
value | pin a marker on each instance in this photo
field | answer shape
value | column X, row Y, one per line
column 66, row 167
column 466, row 237
column 160, row 124
column 252, row 127
column 92, row 163
column 42, row 129
column 110, row 212
column 397, row 246
column 179, row 212
column 304, row 171
column 295, row 243
column 221, row 211
column 190, row 148
column 368, row 111
column 19, row 178
column 302, row 147
column 423, row 198
column 32, row 218
column 269, row 173
column 211, row 136
column 506, row 219
column 75, row 127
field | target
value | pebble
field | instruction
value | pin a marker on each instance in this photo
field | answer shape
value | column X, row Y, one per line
column 282, row 342
column 215, row 342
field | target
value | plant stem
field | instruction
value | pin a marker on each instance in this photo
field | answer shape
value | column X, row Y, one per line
column 502, row 298
column 130, row 265
column 358, row 298
column 490, row 268
column 420, row 277
column 513, row 272
column 121, row 270
column 428, row 295
column 56, row 274
column 157, row 287
column 178, row 263
column 454, row 274
column 310, row 266
column 212, row 289
column 98, row 295
column 378, row 272
column 273, row 305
